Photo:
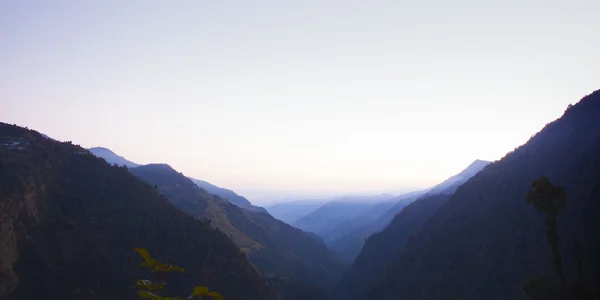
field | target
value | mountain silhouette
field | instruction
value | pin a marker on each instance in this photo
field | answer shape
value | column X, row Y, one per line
column 485, row 239
column 111, row 157
column 291, row 211
column 69, row 222
column 349, row 244
column 331, row 214
column 379, row 248
column 277, row 249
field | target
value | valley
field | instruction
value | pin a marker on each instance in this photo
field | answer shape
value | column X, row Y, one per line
column 78, row 212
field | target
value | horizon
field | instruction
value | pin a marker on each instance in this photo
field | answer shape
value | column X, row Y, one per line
column 338, row 98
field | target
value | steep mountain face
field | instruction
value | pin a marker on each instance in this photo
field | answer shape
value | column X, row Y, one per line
column 485, row 239
column 349, row 245
column 69, row 222
column 111, row 157
column 277, row 249
column 291, row 211
column 331, row 214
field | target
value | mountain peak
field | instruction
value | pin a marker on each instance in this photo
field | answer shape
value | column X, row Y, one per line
column 111, row 157
column 478, row 164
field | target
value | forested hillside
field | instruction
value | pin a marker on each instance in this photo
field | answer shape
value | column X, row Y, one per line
column 486, row 238
column 286, row 254
column 69, row 222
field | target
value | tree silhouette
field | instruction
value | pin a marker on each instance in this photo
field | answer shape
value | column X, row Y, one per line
column 549, row 199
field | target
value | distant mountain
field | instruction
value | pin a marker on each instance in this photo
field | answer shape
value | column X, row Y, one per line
column 69, row 222
column 291, row 211
column 449, row 186
column 111, row 157
column 380, row 247
column 349, row 244
column 486, row 239
column 223, row 193
column 229, row 195
column 277, row 249
column 348, row 238
column 326, row 218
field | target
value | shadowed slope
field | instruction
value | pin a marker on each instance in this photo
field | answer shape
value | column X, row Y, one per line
column 485, row 239
column 69, row 222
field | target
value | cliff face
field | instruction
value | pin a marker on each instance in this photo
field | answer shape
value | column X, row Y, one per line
column 18, row 210
column 69, row 222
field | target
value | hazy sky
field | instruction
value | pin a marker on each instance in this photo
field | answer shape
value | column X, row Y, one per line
column 298, row 96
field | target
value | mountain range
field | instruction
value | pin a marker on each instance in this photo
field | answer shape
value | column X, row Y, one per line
column 379, row 249
column 351, row 235
column 484, row 241
column 291, row 211
column 70, row 220
column 331, row 214
column 277, row 249
column 69, row 223
column 113, row 158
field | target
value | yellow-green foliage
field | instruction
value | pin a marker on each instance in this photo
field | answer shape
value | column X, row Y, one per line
column 219, row 217
column 147, row 286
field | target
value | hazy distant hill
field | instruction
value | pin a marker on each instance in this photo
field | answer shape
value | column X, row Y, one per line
column 333, row 213
column 450, row 185
column 279, row 250
column 291, row 211
column 229, row 195
column 69, row 222
column 485, row 239
column 348, row 238
column 351, row 237
column 223, row 193
column 380, row 247
column 112, row 157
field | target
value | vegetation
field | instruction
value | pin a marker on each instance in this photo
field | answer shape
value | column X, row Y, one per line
column 550, row 199
column 485, row 238
column 68, row 222
column 288, row 257
column 148, row 287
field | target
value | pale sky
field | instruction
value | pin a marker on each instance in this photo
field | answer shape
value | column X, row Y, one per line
column 298, row 97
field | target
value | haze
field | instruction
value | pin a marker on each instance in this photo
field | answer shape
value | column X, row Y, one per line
column 298, row 97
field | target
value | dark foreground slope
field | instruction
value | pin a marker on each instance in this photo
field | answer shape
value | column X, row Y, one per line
column 485, row 239
column 350, row 245
column 284, row 254
column 380, row 248
column 69, row 222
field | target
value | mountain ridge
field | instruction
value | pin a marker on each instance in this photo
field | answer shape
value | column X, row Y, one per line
column 69, row 222
column 497, row 232
column 277, row 249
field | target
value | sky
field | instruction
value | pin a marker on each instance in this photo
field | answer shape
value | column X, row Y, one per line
column 279, row 99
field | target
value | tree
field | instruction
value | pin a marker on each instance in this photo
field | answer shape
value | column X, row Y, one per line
column 148, row 287
column 549, row 199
